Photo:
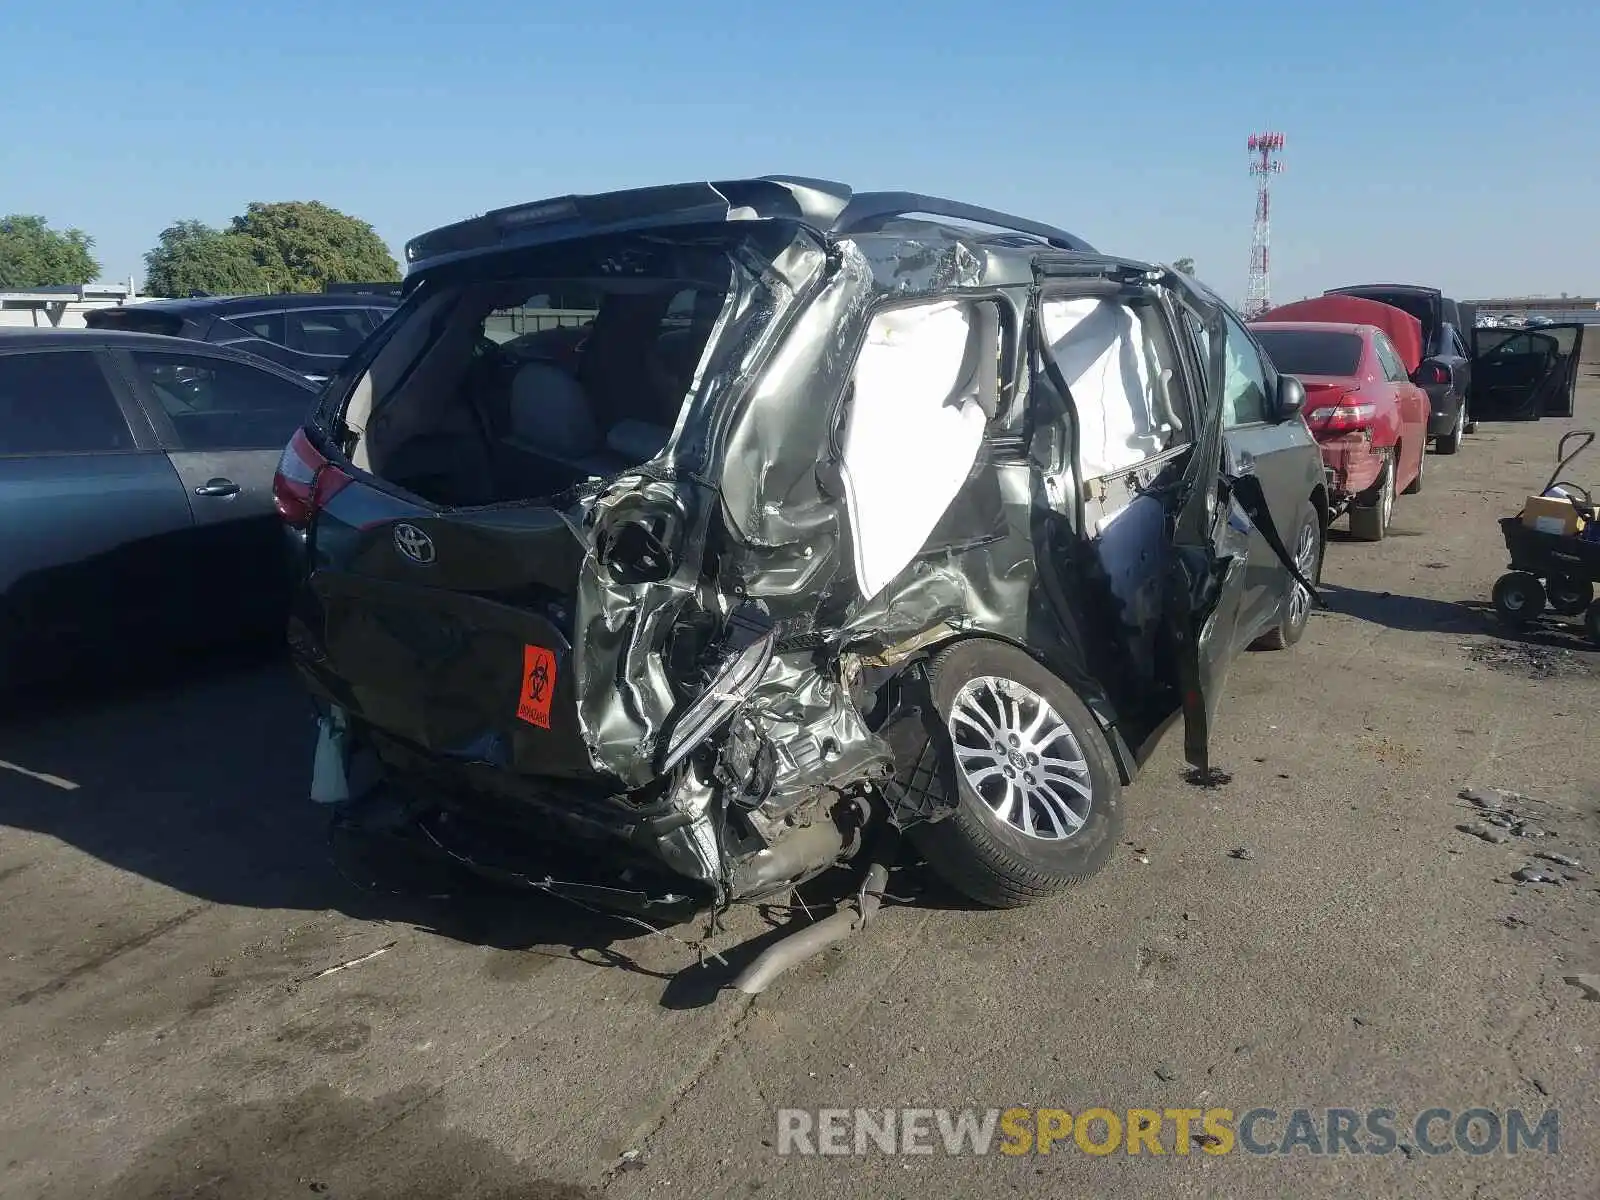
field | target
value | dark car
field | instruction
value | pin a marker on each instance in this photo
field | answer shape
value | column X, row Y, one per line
column 309, row 334
column 136, row 493
column 835, row 511
column 1445, row 371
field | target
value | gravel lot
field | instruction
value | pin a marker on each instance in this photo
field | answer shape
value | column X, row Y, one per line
column 1317, row 933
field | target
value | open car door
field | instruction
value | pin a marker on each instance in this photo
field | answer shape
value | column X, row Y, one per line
column 1205, row 582
column 1524, row 374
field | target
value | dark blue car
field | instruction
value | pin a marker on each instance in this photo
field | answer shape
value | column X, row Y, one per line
column 136, row 492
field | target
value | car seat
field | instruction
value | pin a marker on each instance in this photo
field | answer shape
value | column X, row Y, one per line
column 551, row 423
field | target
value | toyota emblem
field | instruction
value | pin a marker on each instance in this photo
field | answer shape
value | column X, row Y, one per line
column 414, row 544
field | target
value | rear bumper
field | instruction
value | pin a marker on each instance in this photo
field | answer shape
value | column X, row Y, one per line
column 1352, row 464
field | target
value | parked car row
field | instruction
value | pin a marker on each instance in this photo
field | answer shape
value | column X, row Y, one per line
column 1389, row 368
column 666, row 548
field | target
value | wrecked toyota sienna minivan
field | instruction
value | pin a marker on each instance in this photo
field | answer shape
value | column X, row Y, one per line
column 672, row 546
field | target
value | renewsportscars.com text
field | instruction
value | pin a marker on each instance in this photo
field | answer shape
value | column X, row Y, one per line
column 1166, row 1131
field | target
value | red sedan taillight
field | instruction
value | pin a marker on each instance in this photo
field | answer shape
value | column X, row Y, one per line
column 305, row 481
column 1343, row 417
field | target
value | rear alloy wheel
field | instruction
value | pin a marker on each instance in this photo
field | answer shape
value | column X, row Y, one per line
column 1038, row 799
column 1518, row 598
column 1297, row 611
column 1568, row 597
column 1451, row 442
column 1374, row 509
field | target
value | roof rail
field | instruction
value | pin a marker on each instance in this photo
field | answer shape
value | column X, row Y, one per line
column 827, row 206
column 869, row 211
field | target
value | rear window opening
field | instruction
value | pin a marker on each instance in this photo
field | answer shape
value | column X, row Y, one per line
column 567, row 367
column 1311, row 352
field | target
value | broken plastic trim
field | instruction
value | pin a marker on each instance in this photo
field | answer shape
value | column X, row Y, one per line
column 735, row 682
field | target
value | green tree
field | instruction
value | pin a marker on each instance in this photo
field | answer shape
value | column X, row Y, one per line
column 193, row 257
column 302, row 245
column 34, row 255
column 1184, row 266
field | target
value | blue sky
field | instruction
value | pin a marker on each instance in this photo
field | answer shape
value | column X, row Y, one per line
column 1448, row 143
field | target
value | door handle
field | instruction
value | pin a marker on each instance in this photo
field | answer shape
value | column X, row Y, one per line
column 217, row 487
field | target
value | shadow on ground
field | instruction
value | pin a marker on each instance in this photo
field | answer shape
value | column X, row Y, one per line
column 322, row 1143
column 1546, row 649
column 197, row 779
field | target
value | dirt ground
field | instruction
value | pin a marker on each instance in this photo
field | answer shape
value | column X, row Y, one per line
column 1319, row 932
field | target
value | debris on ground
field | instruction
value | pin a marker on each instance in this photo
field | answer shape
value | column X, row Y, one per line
column 1212, row 777
column 1486, row 832
column 1531, row 662
column 1500, row 808
column 1242, row 853
column 1165, row 1072
column 631, row 1160
column 1532, row 874
column 355, row 962
column 1561, row 860
column 1493, row 799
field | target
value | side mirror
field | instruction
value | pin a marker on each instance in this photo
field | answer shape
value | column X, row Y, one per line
column 1291, row 397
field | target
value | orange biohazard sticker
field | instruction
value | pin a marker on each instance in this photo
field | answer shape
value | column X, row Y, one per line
column 538, row 686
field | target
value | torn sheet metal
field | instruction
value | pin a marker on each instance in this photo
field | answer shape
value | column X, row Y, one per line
column 814, row 492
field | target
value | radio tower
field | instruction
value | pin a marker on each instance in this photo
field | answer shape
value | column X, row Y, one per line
column 1264, row 164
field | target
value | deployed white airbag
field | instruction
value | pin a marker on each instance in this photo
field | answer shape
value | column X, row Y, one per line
column 910, row 437
column 1100, row 348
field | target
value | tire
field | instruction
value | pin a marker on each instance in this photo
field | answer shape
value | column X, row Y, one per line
column 1518, row 598
column 1451, row 442
column 1568, row 597
column 977, row 850
column 1374, row 509
column 1591, row 623
column 1297, row 609
column 1415, row 485
column 1468, row 425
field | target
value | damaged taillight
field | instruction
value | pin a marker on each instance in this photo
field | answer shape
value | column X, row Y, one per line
column 304, row 482
column 1343, row 417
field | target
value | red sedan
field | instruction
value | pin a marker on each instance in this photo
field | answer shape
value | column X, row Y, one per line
column 1369, row 418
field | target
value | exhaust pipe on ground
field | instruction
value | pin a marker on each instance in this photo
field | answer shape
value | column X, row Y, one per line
column 805, row 944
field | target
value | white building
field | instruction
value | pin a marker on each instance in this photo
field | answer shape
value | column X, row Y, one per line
column 61, row 307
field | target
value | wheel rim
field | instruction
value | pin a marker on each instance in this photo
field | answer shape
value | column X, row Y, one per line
column 1305, row 559
column 1386, row 500
column 1514, row 598
column 1020, row 758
